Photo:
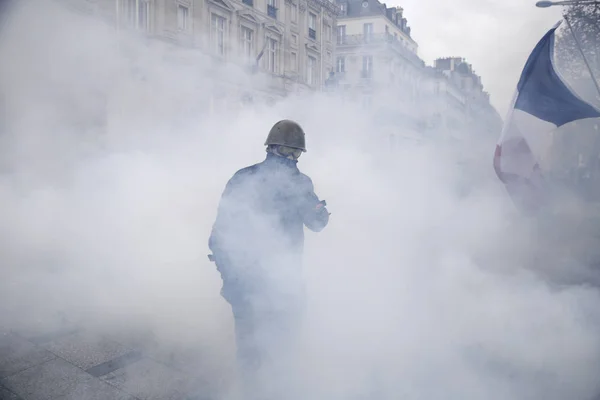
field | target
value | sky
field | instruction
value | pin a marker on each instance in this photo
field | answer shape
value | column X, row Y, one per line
column 495, row 36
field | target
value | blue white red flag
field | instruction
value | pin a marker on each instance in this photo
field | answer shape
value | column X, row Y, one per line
column 542, row 102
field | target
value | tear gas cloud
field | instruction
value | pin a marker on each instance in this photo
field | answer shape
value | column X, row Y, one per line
column 417, row 288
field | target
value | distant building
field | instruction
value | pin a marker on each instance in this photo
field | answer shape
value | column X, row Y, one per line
column 464, row 104
column 288, row 44
column 375, row 54
column 360, row 49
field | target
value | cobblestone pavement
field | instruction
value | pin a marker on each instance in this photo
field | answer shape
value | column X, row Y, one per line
column 78, row 364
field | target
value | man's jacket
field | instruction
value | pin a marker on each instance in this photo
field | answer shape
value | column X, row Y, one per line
column 261, row 217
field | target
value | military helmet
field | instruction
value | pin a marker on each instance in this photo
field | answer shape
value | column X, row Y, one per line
column 287, row 133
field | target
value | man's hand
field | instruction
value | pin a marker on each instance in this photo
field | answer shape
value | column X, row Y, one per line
column 321, row 210
column 316, row 216
column 321, row 206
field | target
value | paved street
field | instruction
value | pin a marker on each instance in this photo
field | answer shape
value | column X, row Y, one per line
column 78, row 364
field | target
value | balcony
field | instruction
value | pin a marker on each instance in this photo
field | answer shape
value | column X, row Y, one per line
column 248, row 2
column 272, row 11
column 380, row 39
column 312, row 34
column 329, row 5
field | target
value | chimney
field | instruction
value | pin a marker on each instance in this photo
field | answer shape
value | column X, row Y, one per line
column 399, row 10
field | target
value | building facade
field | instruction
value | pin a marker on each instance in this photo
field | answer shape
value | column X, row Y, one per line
column 285, row 45
column 256, row 51
column 376, row 63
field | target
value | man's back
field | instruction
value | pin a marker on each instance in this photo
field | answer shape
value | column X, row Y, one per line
column 264, row 208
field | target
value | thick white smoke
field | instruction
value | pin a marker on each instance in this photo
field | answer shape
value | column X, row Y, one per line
column 418, row 288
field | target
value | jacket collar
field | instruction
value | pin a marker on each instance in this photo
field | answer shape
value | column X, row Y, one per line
column 273, row 159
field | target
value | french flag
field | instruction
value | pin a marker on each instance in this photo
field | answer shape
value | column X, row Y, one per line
column 542, row 102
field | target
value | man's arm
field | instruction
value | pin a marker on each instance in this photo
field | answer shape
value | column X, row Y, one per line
column 316, row 216
column 226, row 214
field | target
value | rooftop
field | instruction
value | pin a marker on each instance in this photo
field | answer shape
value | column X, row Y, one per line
column 372, row 8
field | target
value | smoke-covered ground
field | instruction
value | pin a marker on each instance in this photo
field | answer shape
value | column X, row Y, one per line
column 416, row 289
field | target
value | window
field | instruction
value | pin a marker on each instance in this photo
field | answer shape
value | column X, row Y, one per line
column 341, row 34
column 312, row 26
column 294, row 39
column 327, row 32
column 294, row 13
column 271, row 9
column 137, row 14
column 340, row 64
column 247, row 42
column 293, row 61
column 312, row 21
column 368, row 31
column 248, row 2
column 272, row 59
column 311, row 78
column 182, row 17
column 144, row 15
column 217, row 30
column 367, row 70
column 131, row 12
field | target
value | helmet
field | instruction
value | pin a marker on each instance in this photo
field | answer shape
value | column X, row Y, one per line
column 287, row 133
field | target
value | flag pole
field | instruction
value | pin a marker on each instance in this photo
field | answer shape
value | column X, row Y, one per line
column 583, row 55
column 262, row 51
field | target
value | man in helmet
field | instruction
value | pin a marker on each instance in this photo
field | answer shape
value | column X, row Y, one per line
column 257, row 242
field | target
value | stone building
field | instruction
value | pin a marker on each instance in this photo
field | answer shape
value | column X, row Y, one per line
column 261, row 49
column 377, row 65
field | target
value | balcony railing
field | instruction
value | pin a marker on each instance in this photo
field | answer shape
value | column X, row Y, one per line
column 312, row 34
column 366, row 73
column 380, row 39
column 271, row 11
column 248, row 2
column 330, row 5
